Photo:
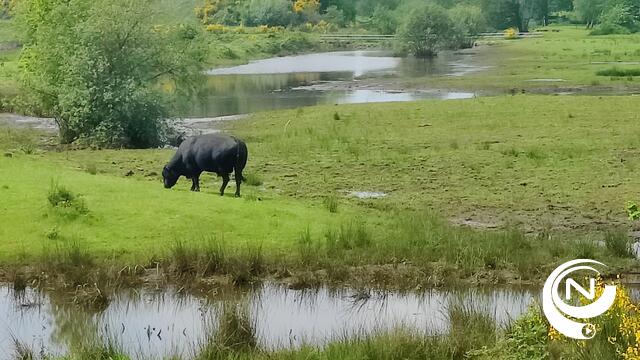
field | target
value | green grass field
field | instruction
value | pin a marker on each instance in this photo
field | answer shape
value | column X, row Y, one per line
column 552, row 182
column 564, row 161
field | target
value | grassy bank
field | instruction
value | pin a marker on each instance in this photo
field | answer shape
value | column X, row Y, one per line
column 565, row 58
column 529, row 187
column 231, row 48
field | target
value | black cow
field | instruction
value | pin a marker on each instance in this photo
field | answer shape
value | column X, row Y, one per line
column 216, row 153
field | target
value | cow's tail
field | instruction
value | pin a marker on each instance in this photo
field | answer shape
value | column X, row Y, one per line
column 241, row 158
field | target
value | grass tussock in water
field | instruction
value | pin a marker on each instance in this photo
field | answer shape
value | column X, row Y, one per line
column 235, row 335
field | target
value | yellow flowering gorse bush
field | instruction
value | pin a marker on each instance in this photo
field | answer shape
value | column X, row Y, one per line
column 306, row 5
column 511, row 33
column 619, row 327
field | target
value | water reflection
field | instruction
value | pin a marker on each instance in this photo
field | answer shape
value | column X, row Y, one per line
column 153, row 324
column 316, row 79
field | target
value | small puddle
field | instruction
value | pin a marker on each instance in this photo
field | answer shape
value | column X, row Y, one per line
column 367, row 194
column 547, row 80
column 149, row 324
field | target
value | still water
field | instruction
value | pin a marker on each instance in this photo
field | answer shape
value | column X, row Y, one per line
column 325, row 78
column 153, row 324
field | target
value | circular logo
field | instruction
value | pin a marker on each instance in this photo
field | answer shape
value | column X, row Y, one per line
column 562, row 315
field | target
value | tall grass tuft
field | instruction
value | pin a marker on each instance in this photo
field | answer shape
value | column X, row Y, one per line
column 349, row 236
column 210, row 257
column 331, row 203
column 19, row 281
column 253, row 180
column 618, row 243
column 22, row 351
column 204, row 258
column 307, row 248
column 91, row 297
column 470, row 329
column 92, row 168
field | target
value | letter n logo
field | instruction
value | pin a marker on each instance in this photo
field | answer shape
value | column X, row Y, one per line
column 591, row 294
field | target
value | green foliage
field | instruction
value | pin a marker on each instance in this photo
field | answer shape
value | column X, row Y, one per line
column 526, row 339
column 633, row 211
column 236, row 333
column 588, row 11
column 6, row 8
column 618, row 72
column 469, row 21
column 618, row 243
column 267, row 12
column 97, row 66
column 617, row 19
column 335, row 16
column 331, row 203
column 470, row 329
column 384, row 21
column 348, row 236
column 63, row 199
column 427, row 30
column 502, row 14
column 253, row 179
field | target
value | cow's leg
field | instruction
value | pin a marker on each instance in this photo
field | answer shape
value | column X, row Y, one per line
column 225, row 182
column 196, row 183
column 238, row 182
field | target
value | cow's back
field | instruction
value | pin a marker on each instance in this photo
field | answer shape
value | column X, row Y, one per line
column 212, row 152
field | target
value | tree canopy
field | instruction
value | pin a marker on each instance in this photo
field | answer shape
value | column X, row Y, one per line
column 108, row 71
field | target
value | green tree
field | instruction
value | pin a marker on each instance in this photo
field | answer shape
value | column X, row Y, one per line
column 384, row 21
column 107, row 71
column 334, row 15
column 588, row 11
column 617, row 19
column 427, row 31
column 347, row 7
column 469, row 22
column 267, row 12
column 560, row 5
column 502, row 14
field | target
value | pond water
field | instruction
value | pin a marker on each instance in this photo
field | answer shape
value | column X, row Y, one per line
column 150, row 324
column 324, row 78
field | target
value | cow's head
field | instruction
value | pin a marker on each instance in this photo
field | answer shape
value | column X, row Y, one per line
column 169, row 177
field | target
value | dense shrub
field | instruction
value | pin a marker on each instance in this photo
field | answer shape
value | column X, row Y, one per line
column 427, row 30
column 333, row 15
column 384, row 21
column 96, row 67
column 267, row 12
column 618, row 19
column 469, row 22
column 66, row 202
